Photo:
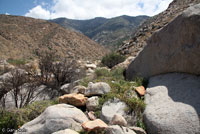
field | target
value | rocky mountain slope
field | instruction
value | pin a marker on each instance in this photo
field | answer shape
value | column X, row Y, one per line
column 104, row 31
column 22, row 37
column 152, row 25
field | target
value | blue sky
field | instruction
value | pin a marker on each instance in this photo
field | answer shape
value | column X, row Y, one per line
column 21, row 7
column 82, row 9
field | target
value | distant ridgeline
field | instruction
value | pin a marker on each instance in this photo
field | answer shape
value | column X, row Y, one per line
column 104, row 31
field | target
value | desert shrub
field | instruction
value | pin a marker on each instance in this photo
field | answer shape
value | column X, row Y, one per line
column 118, row 73
column 139, row 81
column 10, row 121
column 56, row 71
column 112, row 59
column 102, row 72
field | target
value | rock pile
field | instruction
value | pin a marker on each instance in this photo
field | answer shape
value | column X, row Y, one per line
column 66, row 118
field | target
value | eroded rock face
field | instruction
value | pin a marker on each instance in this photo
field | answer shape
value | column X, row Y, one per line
column 175, row 48
column 55, row 118
column 98, row 88
column 173, row 104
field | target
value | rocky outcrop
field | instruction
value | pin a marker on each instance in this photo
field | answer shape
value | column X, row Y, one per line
column 173, row 105
column 98, row 88
column 55, row 118
column 175, row 48
column 73, row 99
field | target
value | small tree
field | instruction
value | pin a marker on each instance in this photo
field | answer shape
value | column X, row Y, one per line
column 21, row 86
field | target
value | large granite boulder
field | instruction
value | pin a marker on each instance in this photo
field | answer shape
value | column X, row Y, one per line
column 173, row 104
column 55, row 118
column 175, row 48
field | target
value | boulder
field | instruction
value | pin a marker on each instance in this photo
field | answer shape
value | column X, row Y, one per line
column 174, row 48
column 98, row 88
column 124, row 64
column 55, row 118
column 94, row 125
column 66, row 88
column 138, row 130
column 111, row 108
column 118, row 120
column 91, row 115
column 73, row 99
column 66, row 131
column 79, row 89
column 91, row 66
column 115, row 129
column 90, row 71
column 92, row 103
column 173, row 104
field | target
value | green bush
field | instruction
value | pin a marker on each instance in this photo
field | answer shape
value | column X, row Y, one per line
column 112, row 59
column 9, row 121
column 102, row 72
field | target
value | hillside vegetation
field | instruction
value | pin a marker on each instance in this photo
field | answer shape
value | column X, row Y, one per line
column 25, row 38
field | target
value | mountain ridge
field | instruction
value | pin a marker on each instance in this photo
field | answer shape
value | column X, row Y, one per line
column 105, row 31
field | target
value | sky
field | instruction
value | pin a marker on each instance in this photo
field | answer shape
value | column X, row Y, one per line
column 82, row 9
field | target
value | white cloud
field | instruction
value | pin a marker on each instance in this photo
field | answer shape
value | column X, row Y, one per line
column 39, row 12
column 86, row 9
